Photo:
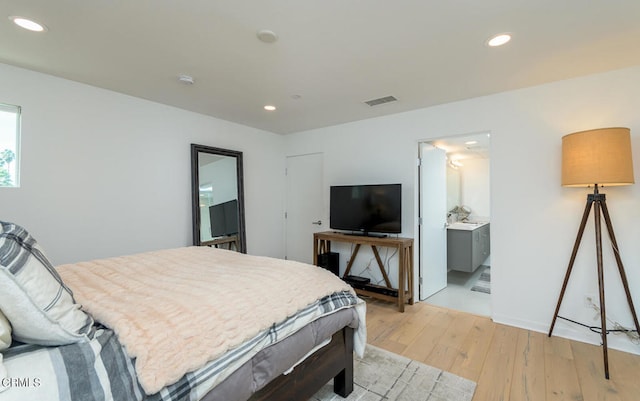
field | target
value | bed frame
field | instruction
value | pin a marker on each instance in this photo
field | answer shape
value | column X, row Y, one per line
column 333, row 361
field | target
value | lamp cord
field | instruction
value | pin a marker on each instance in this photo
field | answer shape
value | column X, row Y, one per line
column 633, row 335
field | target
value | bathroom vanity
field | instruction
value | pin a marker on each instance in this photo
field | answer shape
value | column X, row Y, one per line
column 468, row 246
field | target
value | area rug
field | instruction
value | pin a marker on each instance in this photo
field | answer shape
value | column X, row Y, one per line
column 382, row 375
column 484, row 282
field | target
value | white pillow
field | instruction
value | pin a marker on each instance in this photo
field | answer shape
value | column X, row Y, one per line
column 3, row 375
column 39, row 306
column 5, row 332
column 5, row 342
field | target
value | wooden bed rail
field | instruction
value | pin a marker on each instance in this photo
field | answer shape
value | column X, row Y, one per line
column 333, row 361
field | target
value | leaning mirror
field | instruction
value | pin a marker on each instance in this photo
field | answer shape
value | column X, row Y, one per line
column 217, row 198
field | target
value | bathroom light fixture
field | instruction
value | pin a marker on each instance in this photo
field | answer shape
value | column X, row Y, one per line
column 28, row 24
column 597, row 157
column 499, row 40
column 269, row 107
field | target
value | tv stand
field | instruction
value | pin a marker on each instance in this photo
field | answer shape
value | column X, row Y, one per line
column 403, row 294
column 230, row 242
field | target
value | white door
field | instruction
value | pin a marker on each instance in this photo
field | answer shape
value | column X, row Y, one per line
column 305, row 205
column 433, row 211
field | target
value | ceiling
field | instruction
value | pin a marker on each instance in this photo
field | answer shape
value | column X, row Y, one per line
column 330, row 57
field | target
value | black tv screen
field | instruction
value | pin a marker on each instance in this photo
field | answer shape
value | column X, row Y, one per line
column 224, row 218
column 366, row 208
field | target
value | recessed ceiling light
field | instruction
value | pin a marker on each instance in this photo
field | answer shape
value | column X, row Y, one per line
column 269, row 107
column 185, row 79
column 29, row 24
column 471, row 142
column 499, row 40
column 267, row 36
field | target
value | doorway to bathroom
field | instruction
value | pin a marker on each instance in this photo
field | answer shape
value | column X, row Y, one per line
column 454, row 211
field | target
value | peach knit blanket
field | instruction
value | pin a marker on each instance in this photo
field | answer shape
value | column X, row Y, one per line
column 175, row 310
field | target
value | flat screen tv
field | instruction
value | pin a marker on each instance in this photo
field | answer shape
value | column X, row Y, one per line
column 366, row 208
column 224, row 218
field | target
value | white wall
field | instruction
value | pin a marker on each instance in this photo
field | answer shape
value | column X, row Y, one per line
column 533, row 219
column 105, row 174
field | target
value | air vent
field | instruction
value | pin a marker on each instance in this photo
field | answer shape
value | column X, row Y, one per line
column 381, row 100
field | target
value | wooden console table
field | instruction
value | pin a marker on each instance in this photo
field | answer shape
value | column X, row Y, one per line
column 230, row 241
column 322, row 244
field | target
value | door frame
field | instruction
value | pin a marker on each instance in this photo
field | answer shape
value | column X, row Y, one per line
column 418, row 194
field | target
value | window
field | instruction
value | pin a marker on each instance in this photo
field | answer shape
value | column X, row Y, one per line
column 9, row 145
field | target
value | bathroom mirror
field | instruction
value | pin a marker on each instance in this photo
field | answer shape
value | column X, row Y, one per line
column 217, row 198
column 453, row 188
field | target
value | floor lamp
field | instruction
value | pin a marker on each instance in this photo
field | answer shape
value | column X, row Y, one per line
column 600, row 157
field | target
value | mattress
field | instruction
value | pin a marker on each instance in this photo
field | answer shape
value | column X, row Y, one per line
column 175, row 310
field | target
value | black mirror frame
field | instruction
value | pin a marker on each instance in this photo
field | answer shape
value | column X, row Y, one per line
column 195, row 191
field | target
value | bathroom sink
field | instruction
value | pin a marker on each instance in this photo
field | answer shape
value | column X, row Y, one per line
column 466, row 225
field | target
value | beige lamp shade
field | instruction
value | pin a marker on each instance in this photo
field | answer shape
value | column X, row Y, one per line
column 599, row 156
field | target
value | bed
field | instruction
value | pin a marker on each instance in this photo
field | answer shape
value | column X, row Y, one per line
column 193, row 323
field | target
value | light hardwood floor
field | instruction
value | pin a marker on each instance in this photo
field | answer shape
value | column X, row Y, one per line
column 507, row 363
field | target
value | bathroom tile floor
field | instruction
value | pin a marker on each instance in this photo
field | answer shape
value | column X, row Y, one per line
column 458, row 294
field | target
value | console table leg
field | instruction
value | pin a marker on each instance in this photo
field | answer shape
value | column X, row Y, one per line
column 353, row 258
column 408, row 260
column 401, row 278
column 381, row 266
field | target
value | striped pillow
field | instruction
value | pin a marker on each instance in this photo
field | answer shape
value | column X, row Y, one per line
column 39, row 306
